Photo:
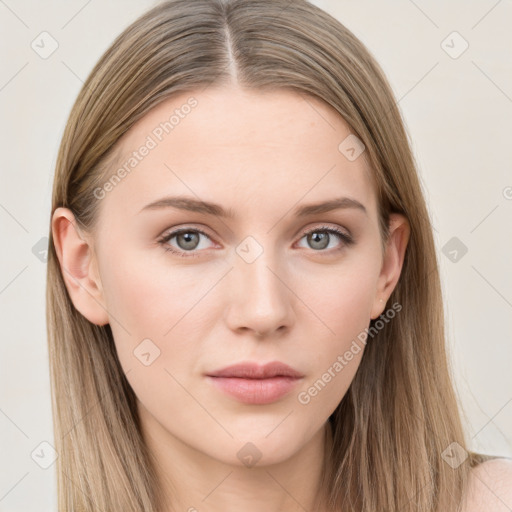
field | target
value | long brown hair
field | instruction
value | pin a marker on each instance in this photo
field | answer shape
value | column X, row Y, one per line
column 401, row 411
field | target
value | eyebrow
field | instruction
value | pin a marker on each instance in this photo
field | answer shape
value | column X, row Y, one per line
column 209, row 208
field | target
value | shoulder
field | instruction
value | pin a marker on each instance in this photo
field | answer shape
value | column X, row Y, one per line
column 490, row 487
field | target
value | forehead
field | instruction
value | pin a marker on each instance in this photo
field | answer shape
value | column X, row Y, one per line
column 227, row 143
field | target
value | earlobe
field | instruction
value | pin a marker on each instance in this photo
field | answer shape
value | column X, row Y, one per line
column 399, row 232
column 77, row 265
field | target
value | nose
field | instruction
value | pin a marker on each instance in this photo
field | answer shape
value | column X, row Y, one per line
column 260, row 301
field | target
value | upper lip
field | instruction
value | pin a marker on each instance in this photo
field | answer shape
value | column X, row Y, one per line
column 251, row 370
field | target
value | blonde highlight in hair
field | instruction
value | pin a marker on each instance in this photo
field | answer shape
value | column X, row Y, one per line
column 401, row 411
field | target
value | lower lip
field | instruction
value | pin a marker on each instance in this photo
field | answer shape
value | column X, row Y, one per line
column 255, row 391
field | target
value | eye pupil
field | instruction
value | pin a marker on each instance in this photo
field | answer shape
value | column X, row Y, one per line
column 191, row 240
column 319, row 236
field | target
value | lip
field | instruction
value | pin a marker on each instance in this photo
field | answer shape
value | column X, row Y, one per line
column 256, row 384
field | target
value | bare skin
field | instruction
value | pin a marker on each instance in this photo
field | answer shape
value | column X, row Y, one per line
column 261, row 155
column 490, row 488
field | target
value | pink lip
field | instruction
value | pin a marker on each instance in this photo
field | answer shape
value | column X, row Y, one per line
column 254, row 384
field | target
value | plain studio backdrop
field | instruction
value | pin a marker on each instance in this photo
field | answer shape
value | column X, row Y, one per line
column 450, row 69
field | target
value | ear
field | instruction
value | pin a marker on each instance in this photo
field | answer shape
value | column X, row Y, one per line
column 78, row 267
column 392, row 262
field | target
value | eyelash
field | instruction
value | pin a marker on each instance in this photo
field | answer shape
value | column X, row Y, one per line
column 347, row 239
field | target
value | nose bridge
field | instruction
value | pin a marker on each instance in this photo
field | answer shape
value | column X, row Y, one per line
column 259, row 300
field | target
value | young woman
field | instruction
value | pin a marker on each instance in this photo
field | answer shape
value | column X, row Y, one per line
column 244, row 307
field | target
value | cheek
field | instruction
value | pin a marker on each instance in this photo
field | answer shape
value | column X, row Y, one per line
column 148, row 294
column 341, row 296
column 341, row 301
column 170, row 305
column 155, row 328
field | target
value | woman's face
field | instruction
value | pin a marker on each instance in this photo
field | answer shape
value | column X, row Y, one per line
column 247, row 286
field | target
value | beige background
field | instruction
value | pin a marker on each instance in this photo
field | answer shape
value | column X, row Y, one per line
column 458, row 112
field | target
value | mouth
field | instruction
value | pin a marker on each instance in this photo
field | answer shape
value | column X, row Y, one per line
column 253, row 384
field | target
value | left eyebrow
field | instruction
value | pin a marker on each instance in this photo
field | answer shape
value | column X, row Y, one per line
column 190, row 204
column 327, row 206
column 209, row 208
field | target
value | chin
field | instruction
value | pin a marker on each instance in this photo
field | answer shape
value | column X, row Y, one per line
column 265, row 450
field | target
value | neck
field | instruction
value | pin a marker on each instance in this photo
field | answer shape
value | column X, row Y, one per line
column 192, row 481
